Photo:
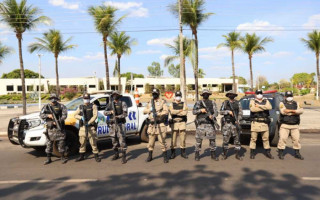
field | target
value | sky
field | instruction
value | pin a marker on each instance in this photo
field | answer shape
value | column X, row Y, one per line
column 150, row 23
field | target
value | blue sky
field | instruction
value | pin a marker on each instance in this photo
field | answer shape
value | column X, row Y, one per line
column 286, row 21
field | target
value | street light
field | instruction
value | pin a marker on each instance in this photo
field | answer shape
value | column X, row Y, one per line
column 39, row 55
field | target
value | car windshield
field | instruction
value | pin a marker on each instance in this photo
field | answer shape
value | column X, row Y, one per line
column 246, row 101
column 74, row 104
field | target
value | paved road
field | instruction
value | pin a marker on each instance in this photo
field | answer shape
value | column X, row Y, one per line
column 22, row 175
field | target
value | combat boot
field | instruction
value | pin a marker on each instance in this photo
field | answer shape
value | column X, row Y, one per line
column 197, row 156
column 238, row 155
column 268, row 154
column 252, row 153
column 225, row 154
column 64, row 159
column 149, row 157
column 124, row 157
column 214, row 156
column 280, row 154
column 116, row 155
column 81, row 157
column 173, row 154
column 183, row 153
column 96, row 157
column 165, row 157
column 298, row 155
column 48, row 161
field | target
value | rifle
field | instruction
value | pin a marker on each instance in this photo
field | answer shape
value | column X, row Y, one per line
column 85, row 122
column 154, row 113
column 58, row 124
column 212, row 121
column 114, row 113
column 236, row 118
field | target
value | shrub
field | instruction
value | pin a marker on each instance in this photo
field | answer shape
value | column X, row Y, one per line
column 304, row 91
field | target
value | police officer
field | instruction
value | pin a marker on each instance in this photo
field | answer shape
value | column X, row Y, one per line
column 178, row 110
column 232, row 114
column 157, row 127
column 55, row 130
column 117, row 110
column 87, row 113
column 289, row 119
column 206, row 111
column 260, row 121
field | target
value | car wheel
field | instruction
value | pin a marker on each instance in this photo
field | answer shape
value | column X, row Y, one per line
column 275, row 139
column 72, row 144
column 144, row 135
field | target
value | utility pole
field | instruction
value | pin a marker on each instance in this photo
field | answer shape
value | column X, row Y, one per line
column 182, row 66
column 39, row 91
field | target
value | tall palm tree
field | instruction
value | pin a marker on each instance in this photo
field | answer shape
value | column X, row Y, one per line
column 252, row 44
column 52, row 42
column 120, row 44
column 232, row 42
column 4, row 51
column 105, row 22
column 193, row 16
column 201, row 73
column 313, row 43
column 21, row 17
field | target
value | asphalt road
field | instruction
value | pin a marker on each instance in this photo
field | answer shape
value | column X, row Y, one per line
column 23, row 175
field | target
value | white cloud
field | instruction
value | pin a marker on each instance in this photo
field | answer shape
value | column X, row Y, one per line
column 135, row 8
column 64, row 4
column 313, row 21
column 282, row 54
column 69, row 58
column 161, row 41
column 163, row 56
column 259, row 25
column 97, row 56
column 212, row 53
column 4, row 29
column 148, row 52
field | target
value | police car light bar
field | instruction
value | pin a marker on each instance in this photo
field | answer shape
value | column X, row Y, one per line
column 265, row 92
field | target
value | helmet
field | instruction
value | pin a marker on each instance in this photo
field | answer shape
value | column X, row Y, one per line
column 288, row 94
column 86, row 96
column 231, row 93
column 155, row 91
column 54, row 96
column 205, row 91
column 259, row 92
column 178, row 93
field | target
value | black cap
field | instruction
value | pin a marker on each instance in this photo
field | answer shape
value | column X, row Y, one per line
column 178, row 93
column 155, row 91
column 259, row 92
column 288, row 94
column 86, row 96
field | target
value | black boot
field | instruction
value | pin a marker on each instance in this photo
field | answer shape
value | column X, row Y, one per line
column 238, row 155
column 225, row 154
column 165, row 157
column 197, row 156
column 280, row 154
column 298, row 155
column 81, row 157
column 252, row 153
column 173, row 154
column 96, row 157
column 64, row 159
column 124, row 157
column 183, row 153
column 268, row 154
column 116, row 155
column 149, row 157
column 48, row 161
column 214, row 156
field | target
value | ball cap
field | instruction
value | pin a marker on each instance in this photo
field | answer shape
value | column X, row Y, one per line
column 155, row 91
column 178, row 93
column 205, row 91
column 54, row 96
column 259, row 92
column 288, row 94
column 115, row 92
column 231, row 93
column 86, row 96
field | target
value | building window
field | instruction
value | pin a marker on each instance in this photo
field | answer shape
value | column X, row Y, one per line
column 92, row 86
column 9, row 88
column 114, row 87
column 139, row 86
column 204, row 85
column 29, row 88
column 19, row 88
column 214, row 85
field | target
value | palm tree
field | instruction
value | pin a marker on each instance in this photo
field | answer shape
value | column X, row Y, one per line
column 201, row 73
column 313, row 43
column 232, row 42
column 4, row 51
column 52, row 42
column 105, row 22
column 252, row 44
column 193, row 17
column 120, row 44
column 21, row 17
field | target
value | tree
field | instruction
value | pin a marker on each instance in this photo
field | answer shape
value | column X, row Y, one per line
column 4, row 52
column 313, row 43
column 241, row 80
column 155, row 70
column 20, row 18
column 201, row 73
column 233, row 43
column 16, row 74
column 262, row 81
column 134, row 75
column 52, row 41
column 303, row 79
column 252, row 44
column 174, row 70
column 193, row 16
column 283, row 83
column 105, row 23
column 120, row 44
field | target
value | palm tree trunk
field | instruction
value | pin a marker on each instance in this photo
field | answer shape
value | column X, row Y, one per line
column 318, row 76
column 105, row 40
column 251, row 74
column 119, row 75
column 196, row 65
column 183, row 82
column 233, row 73
column 23, row 84
column 57, row 76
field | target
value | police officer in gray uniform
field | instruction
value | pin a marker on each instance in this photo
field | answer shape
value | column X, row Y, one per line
column 232, row 113
column 53, row 133
column 117, row 110
column 206, row 111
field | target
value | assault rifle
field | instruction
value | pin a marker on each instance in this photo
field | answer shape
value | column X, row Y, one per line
column 213, row 121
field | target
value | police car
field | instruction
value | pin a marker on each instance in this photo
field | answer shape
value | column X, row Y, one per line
column 27, row 130
column 275, row 98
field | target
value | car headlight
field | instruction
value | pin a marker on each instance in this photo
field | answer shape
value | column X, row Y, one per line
column 33, row 123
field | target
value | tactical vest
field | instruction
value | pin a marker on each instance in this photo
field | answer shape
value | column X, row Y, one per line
column 235, row 109
column 119, row 111
column 203, row 117
column 86, row 111
column 57, row 109
column 262, row 114
column 179, row 106
column 290, row 119
column 160, row 118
